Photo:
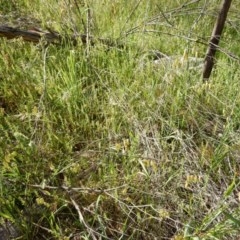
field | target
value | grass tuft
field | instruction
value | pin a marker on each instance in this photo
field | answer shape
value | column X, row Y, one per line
column 98, row 142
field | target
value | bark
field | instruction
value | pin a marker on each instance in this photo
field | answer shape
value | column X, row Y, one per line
column 35, row 35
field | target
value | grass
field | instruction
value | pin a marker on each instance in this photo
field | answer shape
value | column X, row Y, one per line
column 93, row 146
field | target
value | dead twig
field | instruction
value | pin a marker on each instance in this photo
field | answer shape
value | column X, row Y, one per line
column 197, row 39
column 75, row 189
column 81, row 219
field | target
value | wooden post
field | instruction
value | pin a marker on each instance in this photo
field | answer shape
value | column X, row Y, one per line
column 215, row 38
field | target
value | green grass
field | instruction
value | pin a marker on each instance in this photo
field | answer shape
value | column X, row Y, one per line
column 95, row 146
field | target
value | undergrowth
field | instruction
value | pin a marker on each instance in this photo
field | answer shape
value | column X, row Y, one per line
column 96, row 145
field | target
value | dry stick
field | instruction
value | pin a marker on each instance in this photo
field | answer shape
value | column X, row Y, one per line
column 216, row 34
column 130, row 15
column 79, row 12
column 196, row 40
column 81, row 219
column 35, row 35
column 90, row 230
column 171, row 12
column 88, row 30
column 76, row 189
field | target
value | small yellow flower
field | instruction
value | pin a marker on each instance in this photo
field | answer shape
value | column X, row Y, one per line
column 163, row 213
column 191, row 179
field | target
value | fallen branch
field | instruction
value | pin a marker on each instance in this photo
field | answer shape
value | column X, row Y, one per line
column 35, row 35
